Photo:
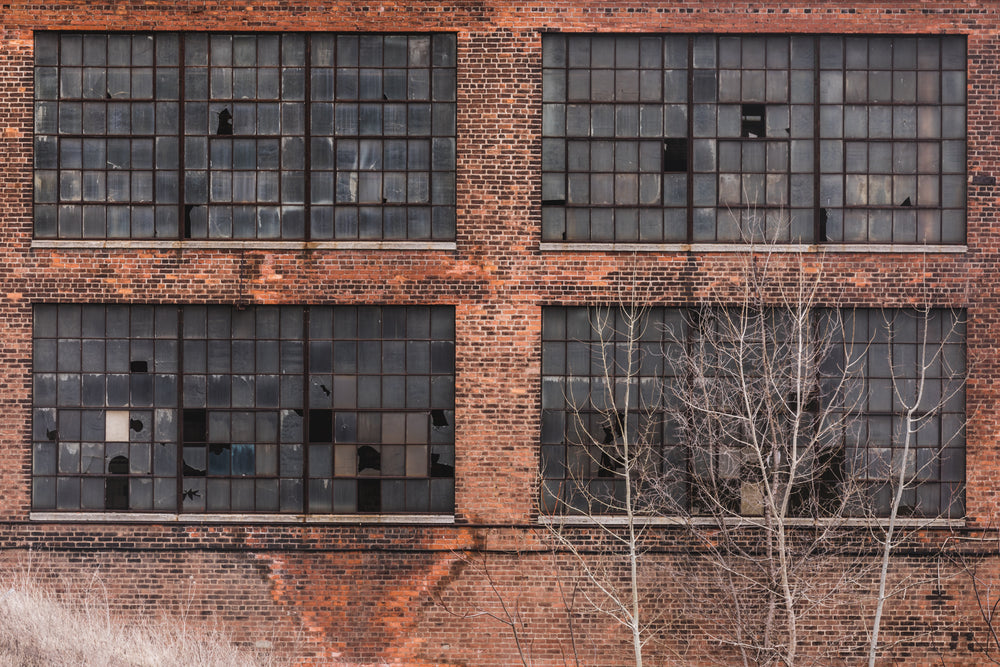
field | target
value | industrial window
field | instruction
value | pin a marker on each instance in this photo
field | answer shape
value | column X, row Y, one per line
column 246, row 136
column 671, row 388
column 319, row 409
column 719, row 138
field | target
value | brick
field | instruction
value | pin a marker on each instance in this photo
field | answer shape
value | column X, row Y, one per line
column 410, row 594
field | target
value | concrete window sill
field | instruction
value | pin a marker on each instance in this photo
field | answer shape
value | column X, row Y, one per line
column 547, row 520
column 228, row 244
column 553, row 246
column 236, row 518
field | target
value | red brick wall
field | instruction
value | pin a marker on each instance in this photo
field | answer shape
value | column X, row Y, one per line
column 364, row 593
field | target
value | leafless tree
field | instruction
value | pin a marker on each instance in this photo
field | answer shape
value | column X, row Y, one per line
column 920, row 398
column 742, row 423
column 618, row 449
column 503, row 607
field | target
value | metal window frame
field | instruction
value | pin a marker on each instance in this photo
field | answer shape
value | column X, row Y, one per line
column 430, row 444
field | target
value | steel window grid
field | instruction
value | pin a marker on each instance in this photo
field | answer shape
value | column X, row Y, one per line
column 169, row 442
column 175, row 199
column 938, row 453
column 705, row 215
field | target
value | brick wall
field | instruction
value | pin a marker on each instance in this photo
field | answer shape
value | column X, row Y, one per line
column 364, row 593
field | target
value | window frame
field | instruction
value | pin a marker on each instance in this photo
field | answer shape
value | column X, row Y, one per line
column 186, row 191
column 128, row 392
column 572, row 366
column 680, row 212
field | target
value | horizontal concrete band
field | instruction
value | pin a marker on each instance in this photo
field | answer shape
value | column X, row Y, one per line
column 746, row 247
column 745, row 521
column 451, row 245
column 167, row 517
column 220, row 244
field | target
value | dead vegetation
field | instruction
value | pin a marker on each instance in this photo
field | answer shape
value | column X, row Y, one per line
column 39, row 627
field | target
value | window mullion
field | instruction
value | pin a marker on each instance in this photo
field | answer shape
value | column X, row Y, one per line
column 819, row 214
column 183, row 228
column 690, row 138
column 307, row 144
column 305, row 412
column 179, row 421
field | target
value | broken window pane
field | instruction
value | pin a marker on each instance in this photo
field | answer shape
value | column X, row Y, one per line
column 85, row 422
column 575, row 407
column 268, row 73
column 748, row 87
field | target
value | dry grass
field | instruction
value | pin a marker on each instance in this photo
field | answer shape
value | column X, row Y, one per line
column 39, row 628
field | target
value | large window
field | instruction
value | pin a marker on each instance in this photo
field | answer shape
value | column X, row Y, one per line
column 689, row 399
column 320, row 409
column 676, row 138
column 247, row 136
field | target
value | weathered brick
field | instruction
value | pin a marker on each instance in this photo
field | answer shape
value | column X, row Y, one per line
column 364, row 593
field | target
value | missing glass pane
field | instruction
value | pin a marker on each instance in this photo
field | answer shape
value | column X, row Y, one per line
column 369, row 495
column 116, row 495
column 675, row 155
column 222, row 352
column 194, row 425
column 321, row 425
column 369, row 458
column 753, row 120
column 248, row 85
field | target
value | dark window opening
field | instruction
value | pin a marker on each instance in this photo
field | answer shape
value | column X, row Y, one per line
column 753, row 121
column 612, row 430
column 321, row 425
column 438, row 419
column 822, row 495
column 369, row 495
column 675, row 155
column 194, row 425
column 116, row 490
column 253, row 409
column 225, row 122
column 118, row 465
column 439, row 469
column 369, row 458
column 611, row 425
column 188, row 222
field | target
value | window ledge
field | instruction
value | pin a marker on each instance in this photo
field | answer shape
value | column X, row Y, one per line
column 557, row 246
column 166, row 517
column 546, row 520
column 229, row 244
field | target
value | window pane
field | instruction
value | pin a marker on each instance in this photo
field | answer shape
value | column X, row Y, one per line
column 746, row 88
column 240, row 85
column 585, row 415
column 235, row 409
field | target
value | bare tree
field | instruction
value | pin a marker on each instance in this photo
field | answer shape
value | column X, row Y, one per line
column 921, row 398
column 612, row 434
column 503, row 608
column 761, row 414
column 747, row 423
column 969, row 554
